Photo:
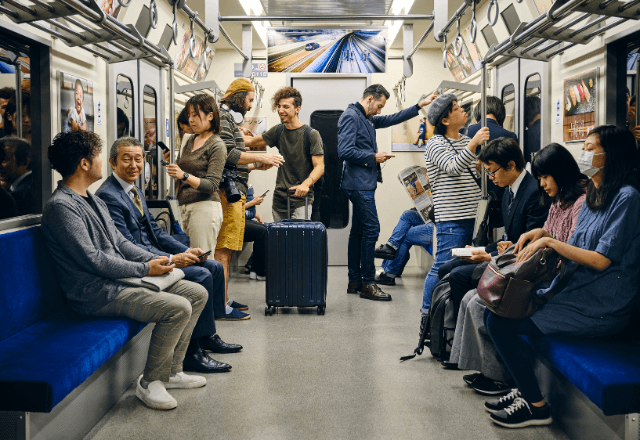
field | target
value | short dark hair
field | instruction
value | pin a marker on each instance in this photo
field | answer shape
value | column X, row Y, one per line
column 7, row 92
column 620, row 165
column 377, row 91
column 121, row 118
column 68, row 149
column 531, row 108
column 632, row 102
column 556, row 161
column 12, row 106
column 495, row 107
column 502, row 151
column 20, row 147
column 284, row 93
column 440, row 128
column 183, row 117
column 206, row 104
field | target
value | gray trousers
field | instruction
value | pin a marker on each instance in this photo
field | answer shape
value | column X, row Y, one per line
column 297, row 213
column 472, row 347
column 175, row 313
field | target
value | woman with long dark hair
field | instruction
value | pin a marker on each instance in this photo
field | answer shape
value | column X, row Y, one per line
column 603, row 254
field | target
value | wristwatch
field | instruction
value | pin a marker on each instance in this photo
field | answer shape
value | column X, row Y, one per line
column 186, row 176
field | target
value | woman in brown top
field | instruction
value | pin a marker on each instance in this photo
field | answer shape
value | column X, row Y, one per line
column 198, row 171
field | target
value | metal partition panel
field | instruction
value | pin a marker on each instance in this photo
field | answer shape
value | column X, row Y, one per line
column 321, row 92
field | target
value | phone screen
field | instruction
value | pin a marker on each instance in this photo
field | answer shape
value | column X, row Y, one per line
column 265, row 193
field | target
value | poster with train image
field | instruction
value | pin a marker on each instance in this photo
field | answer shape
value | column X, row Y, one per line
column 338, row 50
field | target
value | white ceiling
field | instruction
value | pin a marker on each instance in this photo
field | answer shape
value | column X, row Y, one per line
column 295, row 8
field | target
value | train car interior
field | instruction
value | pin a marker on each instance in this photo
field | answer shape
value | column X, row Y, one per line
column 314, row 336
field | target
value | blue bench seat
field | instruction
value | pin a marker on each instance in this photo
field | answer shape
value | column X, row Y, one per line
column 46, row 349
column 606, row 370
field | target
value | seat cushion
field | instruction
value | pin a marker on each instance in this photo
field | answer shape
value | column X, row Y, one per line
column 43, row 363
column 606, row 370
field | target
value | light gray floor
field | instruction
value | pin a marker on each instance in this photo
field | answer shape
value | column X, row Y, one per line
column 337, row 376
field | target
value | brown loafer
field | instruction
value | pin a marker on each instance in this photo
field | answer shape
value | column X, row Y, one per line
column 373, row 292
column 355, row 287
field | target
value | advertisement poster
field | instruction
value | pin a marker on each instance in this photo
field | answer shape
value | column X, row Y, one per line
column 111, row 7
column 326, row 50
column 405, row 136
column 184, row 62
column 472, row 49
column 454, row 66
column 579, row 106
column 76, row 103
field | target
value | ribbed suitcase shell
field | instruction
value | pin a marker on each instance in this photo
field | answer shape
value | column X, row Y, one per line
column 297, row 260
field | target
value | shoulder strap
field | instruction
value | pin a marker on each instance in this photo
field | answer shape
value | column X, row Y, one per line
column 307, row 141
column 279, row 131
column 468, row 169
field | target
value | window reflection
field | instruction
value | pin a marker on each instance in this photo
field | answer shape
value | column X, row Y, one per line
column 532, row 140
column 125, row 110
column 508, row 98
column 149, row 109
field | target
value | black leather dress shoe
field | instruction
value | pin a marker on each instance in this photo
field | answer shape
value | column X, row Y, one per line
column 200, row 361
column 373, row 292
column 354, row 287
column 217, row 345
column 385, row 280
column 385, row 252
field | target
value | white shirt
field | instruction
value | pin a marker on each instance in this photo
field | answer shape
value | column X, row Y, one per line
column 125, row 186
column 515, row 185
column 78, row 118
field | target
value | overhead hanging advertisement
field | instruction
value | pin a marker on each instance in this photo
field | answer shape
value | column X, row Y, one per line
column 338, row 50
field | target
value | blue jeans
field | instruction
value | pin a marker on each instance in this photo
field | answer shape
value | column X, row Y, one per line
column 449, row 235
column 505, row 334
column 410, row 230
column 365, row 229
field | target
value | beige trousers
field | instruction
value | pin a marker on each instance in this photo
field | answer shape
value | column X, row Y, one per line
column 202, row 222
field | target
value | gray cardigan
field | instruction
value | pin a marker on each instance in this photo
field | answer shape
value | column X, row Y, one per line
column 89, row 252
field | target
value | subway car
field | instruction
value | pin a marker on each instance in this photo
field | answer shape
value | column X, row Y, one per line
column 391, row 219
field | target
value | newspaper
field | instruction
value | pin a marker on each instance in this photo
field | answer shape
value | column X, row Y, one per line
column 414, row 179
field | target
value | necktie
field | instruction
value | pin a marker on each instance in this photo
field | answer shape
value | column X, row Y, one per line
column 136, row 200
column 510, row 199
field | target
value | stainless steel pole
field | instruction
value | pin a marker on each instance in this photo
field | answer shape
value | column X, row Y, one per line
column 18, row 121
column 172, row 109
column 483, row 102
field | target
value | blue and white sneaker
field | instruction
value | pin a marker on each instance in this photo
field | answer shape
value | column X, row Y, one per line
column 235, row 315
column 238, row 306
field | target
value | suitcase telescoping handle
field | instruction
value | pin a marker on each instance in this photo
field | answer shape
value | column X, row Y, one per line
column 306, row 204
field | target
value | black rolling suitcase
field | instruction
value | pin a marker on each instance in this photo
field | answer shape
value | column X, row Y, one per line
column 297, row 260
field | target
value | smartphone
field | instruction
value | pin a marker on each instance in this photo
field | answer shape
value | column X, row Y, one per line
column 163, row 146
column 164, row 162
column 265, row 193
column 204, row 255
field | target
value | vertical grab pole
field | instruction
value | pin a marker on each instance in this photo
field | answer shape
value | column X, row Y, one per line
column 172, row 110
column 483, row 103
column 18, row 121
column 637, row 93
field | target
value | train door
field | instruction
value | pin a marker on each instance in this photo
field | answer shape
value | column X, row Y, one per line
column 345, row 90
column 507, row 77
column 135, row 97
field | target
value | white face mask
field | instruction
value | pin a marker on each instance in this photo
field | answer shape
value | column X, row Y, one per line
column 585, row 163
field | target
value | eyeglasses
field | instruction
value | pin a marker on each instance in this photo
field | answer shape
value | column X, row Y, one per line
column 492, row 173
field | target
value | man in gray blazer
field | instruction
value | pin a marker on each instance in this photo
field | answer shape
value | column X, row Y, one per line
column 91, row 255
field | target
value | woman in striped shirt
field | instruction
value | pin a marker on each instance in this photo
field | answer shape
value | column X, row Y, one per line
column 450, row 158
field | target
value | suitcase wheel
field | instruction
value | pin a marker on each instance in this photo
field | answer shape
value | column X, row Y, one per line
column 320, row 310
column 269, row 311
column 266, row 311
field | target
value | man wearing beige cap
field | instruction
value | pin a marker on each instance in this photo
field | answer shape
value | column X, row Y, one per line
column 236, row 102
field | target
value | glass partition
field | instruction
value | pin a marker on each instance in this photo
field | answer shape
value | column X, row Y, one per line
column 125, row 112
column 532, row 140
column 508, row 98
column 149, row 112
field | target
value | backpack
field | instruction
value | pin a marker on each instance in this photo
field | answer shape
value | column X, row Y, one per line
column 442, row 317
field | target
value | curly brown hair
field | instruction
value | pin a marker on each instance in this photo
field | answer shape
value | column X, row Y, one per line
column 284, row 93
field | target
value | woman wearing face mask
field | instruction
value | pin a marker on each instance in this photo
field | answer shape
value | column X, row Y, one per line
column 604, row 254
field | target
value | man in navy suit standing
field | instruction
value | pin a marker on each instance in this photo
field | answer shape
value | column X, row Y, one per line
column 129, row 211
column 358, row 149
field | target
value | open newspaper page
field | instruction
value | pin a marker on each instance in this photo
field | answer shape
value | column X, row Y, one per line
column 414, row 179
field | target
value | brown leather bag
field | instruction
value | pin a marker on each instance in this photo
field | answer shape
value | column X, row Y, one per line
column 508, row 290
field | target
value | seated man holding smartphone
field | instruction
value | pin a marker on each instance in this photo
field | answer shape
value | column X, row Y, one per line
column 132, row 218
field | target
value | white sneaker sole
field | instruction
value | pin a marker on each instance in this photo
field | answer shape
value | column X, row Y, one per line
column 185, row 385
column 531, row 422
column 155, row 405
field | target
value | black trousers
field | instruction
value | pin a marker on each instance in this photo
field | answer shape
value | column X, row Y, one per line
column 257, row 233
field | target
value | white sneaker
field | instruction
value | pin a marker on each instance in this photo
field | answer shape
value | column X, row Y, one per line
column 183, row 380
column 252, row 275
column 156, row 395
column 259, row 278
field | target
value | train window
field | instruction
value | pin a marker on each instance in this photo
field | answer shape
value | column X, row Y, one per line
column 125, row 111
column 509, row 99
column 19, row 162
column 532, row 140
column 149, row 112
